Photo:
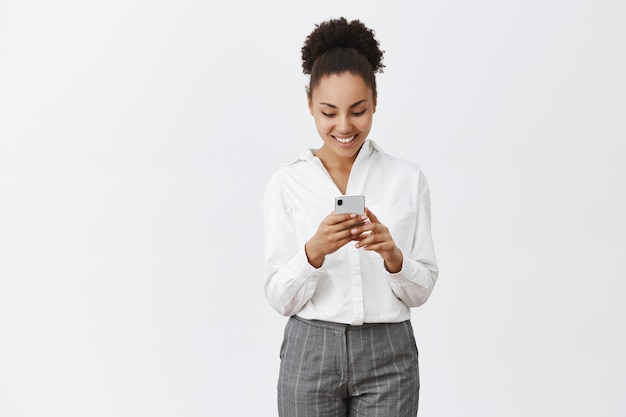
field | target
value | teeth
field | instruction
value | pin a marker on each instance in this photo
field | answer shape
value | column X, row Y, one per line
column 345, row 140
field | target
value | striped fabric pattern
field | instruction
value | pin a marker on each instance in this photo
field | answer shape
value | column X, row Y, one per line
column 331, row 370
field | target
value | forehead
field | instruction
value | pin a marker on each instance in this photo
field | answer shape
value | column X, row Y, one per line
column 341, row 89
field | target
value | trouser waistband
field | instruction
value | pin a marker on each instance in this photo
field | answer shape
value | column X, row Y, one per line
column 337, row 326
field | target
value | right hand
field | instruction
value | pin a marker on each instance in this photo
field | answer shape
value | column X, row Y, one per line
column 333, row 232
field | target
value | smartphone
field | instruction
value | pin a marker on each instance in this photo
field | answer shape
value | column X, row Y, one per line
column 350, row 204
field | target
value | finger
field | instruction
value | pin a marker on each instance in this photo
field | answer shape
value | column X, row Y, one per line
column 376, row 247
column 340, row 218
column 348, row 232
column 371, row 216
column 369, row 239
column 353, row 222
column 360, row 238
column 366, row 239
column 369, row 224
column 338, row 222
column 360, row 230
column 343, row 241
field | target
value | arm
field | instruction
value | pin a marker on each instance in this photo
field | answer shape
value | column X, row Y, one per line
column 411, row 275
column 294, row 268
column 414, row 283
column 290, row 280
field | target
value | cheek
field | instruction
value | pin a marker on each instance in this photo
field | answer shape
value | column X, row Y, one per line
column 365, row 124
column 323, row 124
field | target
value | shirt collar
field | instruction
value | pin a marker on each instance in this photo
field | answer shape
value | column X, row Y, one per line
column 369, row 147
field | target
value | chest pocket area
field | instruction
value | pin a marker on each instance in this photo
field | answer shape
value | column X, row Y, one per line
column 305, row 224
column 401, row 221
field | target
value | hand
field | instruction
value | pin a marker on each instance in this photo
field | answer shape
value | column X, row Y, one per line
column 375, row 236
column 333, row 232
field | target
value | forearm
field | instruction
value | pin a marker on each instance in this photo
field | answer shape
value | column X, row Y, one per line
column 393, row 262
column 414, row 283
column 314, row 256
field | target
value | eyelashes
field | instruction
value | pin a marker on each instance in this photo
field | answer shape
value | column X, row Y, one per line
column 331, row 115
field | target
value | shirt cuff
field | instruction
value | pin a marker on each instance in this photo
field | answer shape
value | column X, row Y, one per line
column 402, row 275
column 301, row 266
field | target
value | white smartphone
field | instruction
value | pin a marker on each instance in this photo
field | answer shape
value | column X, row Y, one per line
column 350, row 204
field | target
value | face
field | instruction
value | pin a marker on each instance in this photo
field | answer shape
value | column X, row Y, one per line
column 343, row 107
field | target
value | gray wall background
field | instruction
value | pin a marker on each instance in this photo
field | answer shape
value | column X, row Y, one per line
column 135, row 141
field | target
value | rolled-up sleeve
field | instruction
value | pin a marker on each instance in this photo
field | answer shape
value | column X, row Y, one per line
column 416, row 280
column 290, row 280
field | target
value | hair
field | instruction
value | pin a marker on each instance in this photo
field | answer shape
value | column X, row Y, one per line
column 337, row 46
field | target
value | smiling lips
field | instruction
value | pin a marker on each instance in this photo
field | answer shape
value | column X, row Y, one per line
column 345, row 140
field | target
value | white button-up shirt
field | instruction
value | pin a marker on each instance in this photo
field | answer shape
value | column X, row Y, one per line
column 352, row 286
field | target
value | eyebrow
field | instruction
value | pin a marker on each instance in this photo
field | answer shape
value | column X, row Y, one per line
column 351, row 106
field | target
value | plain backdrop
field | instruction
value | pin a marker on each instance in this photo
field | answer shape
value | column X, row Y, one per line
column 136, row 138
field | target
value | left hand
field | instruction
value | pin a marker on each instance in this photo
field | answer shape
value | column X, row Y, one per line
column 375, row 236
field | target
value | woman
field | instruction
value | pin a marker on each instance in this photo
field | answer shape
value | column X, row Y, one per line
column 347, row 281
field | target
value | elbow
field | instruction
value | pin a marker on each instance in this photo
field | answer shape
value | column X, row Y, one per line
column 419, row 300
column 418, row 294
column 284, row 309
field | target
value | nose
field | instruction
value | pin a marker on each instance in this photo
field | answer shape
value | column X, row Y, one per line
column 344, row 124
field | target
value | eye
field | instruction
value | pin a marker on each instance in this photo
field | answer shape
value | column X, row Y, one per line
column 359, row 113
column 328, row 114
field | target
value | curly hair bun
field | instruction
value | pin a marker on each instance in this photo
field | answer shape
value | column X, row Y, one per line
column 339, row 33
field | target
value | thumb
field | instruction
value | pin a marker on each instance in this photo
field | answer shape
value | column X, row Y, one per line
column 371, row 216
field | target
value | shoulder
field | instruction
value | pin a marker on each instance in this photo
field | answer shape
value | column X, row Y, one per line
column 290, row 176
column 399, row 170
column 395, row 164
column 288, row 173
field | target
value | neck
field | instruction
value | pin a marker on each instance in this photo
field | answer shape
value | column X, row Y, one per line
column 332, row 160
